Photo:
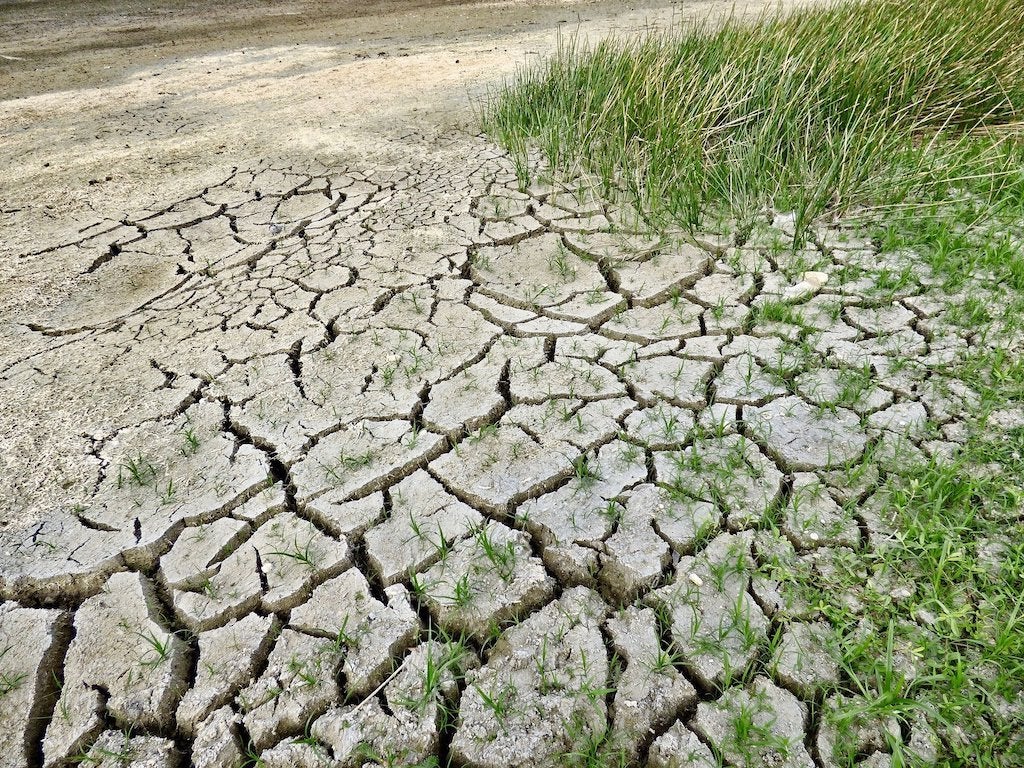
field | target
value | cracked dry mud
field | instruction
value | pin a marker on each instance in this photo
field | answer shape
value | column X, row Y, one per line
column 388, row 409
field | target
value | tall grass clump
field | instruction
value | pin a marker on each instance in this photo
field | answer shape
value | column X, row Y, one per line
column 831, row 107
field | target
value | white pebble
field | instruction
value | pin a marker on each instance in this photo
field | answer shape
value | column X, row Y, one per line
column 815, row 279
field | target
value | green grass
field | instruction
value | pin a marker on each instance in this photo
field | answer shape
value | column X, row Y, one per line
column 929, row 618
column 952, row 650
column 875, row 103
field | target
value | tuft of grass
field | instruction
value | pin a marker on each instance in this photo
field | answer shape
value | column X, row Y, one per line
column 158, row 651
column 300, row 553
column 11, row 681
column 498, row 701
column 828, row 108
column 137, row 469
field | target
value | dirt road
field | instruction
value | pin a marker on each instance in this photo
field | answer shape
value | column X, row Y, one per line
column 58, row 46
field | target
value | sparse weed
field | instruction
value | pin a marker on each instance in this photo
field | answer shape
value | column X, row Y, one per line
column 348, row 462
column 137, row 469
column 159, row 649
column 11, row 681
column 251, row 758
column 303, row 672
column 559, row 263
column 488, row 430
column 300, row 553
column 417, row 587
column 498, row 700
column 462, row 593
column 168, row 492
column 501, row 556
column 191, row 439
column 99, row 755
column 584, row 472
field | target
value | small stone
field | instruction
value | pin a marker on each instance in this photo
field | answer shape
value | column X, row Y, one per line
column 817, row 279
column 924, row 743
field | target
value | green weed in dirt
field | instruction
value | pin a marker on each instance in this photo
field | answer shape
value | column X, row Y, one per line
column 937, row 630
column 904, row 120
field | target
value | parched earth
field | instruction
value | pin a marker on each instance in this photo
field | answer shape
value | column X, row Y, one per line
column 419, row 464
column 416, row 441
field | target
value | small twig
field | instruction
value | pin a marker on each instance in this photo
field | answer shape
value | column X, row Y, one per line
column 380, row 687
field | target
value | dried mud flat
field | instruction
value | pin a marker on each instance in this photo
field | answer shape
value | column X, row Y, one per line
column 375, row 458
